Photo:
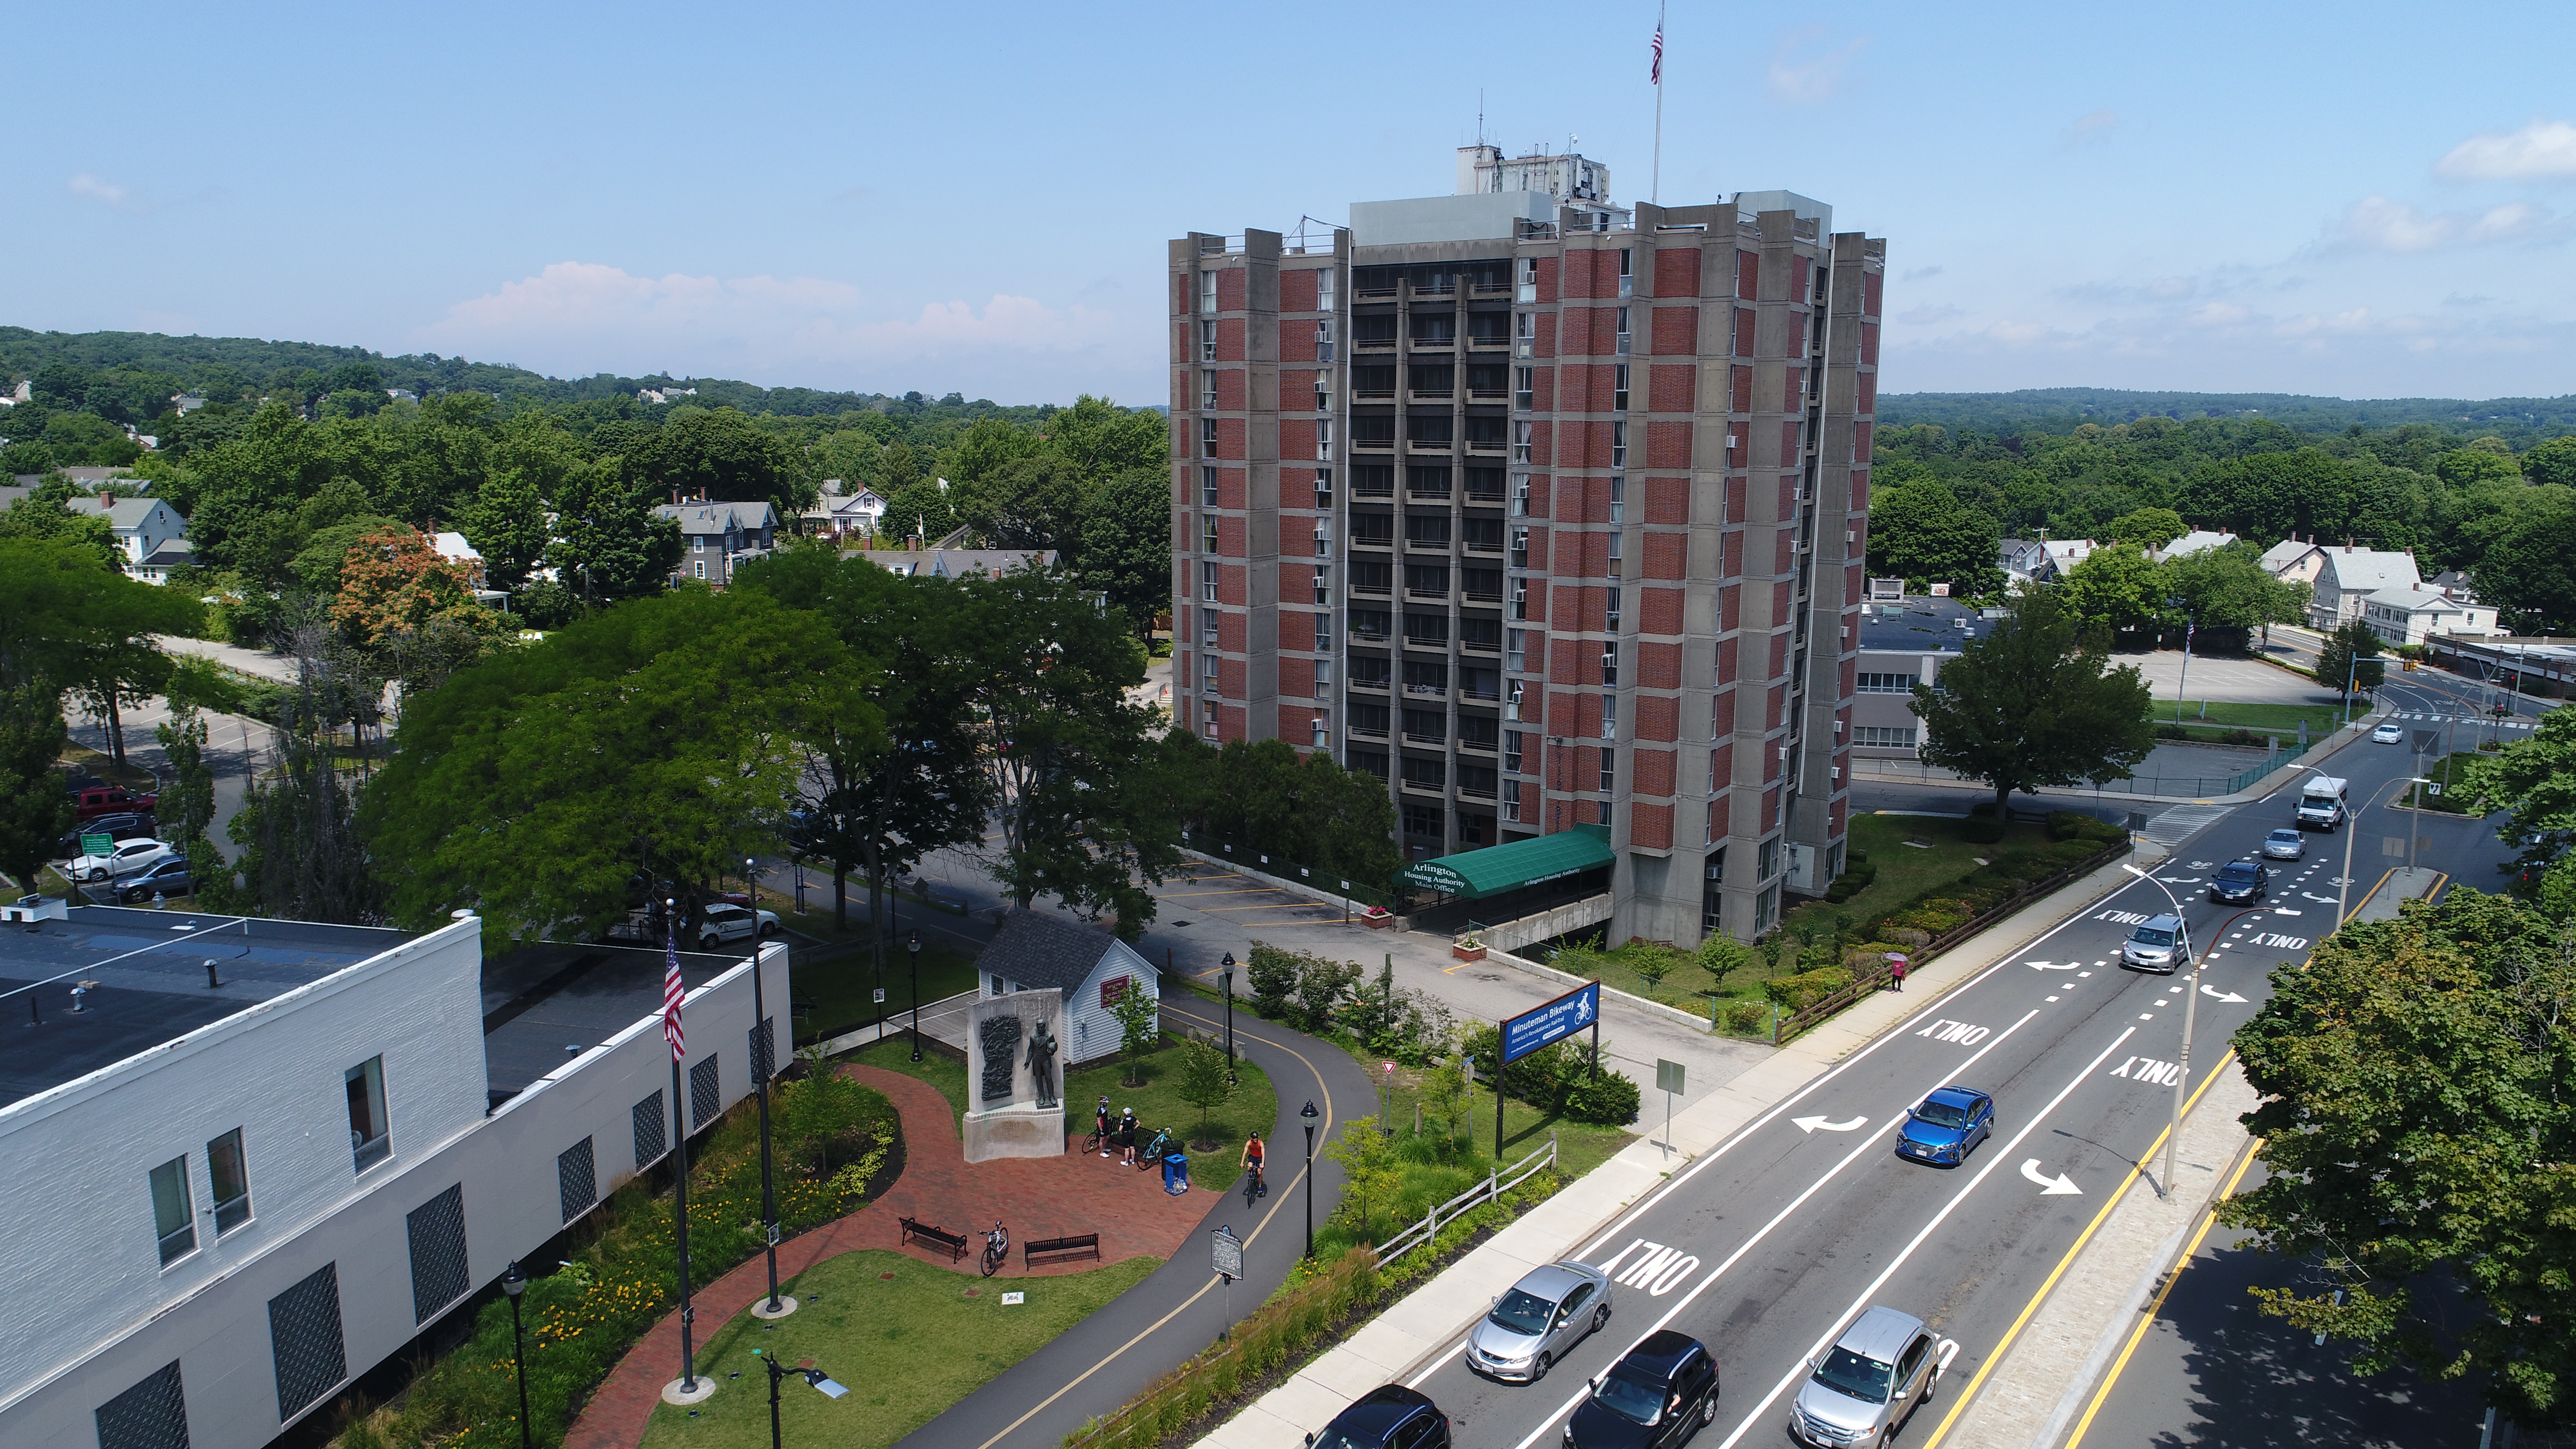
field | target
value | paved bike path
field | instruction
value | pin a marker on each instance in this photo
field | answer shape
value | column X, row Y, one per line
column 1093, row 1368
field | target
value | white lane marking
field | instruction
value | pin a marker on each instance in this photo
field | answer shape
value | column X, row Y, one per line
column 1813, row 1125
column 2056, row 1186
column 2052, row 965
column 2228, row 996
column 2286, row 911
column 1869, row 1294
column 1749, row 1244
column 2320, row 900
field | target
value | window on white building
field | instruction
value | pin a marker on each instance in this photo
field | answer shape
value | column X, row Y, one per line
column 173, row 1216
column 229, row 1176
column 370, row 1135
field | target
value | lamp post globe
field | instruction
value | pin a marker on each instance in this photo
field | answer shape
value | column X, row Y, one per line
column 514, row 1283
column 912, row 944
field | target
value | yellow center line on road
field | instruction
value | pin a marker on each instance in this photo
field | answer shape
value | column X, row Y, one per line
column 2004, row 1345
column 2208, row 1220
column 1326, row 1125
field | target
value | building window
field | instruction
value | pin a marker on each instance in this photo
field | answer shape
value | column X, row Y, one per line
column 1323, row 488
column 174, row 1217
column 1520, row 495
column 1323, row 342
column 1621, row 348
column 1323, row 631
column 1207, row 437
column 1523, row 439
column 1207, row 582
column 1610, row 616
column 1525, row 331
column 1884, row 683
column 1324, row 391
column 1323, row 679
column 1627, row 273
column 1323, row 538
column 1421, row 819
column 1766, row 860
column 1892, row 737
column 1513, row 693
column 1618, row 445
column 702, row 568
column 1609, row 771
column 1207, row 486
column 1520, row 597
column 1207, row 291
column 1516, row 650
column 1618, row 507
column 1524, row 388
column 1610, row 662
column 1325, row 284
column 1207, row 389
column 1323, row 583
column 1712, row 892
column 1512, row 800
column 1207, row 672
column 1323, row 440
column 1207, row 535
column 229, row 1177
column 1609, row 716
column 1207, row 342
column 1207, row 719
column 370, row 1138
column 1619, row 384
column 1766, row 907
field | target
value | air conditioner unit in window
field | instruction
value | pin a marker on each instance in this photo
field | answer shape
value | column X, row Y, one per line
column 1837, row 772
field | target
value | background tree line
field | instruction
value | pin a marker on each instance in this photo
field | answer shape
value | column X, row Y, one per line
column 1944, row 497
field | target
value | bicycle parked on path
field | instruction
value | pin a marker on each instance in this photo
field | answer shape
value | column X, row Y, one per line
column 997, row 1249
column 1150, row 1156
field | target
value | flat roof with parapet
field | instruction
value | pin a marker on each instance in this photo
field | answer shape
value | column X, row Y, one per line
column 546, row 1003
column 150, row 973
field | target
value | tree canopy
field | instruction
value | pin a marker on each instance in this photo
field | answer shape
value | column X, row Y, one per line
column 2027, row 707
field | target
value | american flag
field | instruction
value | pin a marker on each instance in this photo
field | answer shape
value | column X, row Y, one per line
column 1656, row 75
column 673, row 989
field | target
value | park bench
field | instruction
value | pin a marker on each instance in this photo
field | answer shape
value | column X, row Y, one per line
column 913, row 1228
column 1066, row 1247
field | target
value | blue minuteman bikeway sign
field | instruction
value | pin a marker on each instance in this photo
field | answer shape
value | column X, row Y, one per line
column 1544, row 1025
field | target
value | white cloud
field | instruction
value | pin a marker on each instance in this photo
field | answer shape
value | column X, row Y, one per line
column 1922, row 274
column 1804, row 70
column 2380, row 224
column 2092, row 128
column 574, row 318
column 1928, row 316
column 106, row 193
column 2543, row 149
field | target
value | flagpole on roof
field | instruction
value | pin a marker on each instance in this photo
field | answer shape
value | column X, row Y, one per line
column 674, row 991
column 1655, row 190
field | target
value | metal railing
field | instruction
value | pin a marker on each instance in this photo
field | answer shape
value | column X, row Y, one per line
column 1268, row 863
column 1496, row 1183
column 2173, row 787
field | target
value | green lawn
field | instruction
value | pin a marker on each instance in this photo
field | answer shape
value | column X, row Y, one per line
column 2447, row 771
column 2286, row 718
column 1158, row 1103
column 904, row 1336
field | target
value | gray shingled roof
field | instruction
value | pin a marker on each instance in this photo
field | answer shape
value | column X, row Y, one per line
column 1041, row 949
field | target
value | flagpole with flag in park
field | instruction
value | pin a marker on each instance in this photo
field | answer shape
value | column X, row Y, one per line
column 1655, row 77
column 674, row 991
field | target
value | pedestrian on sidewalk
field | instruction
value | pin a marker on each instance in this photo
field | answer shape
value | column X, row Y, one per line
column 1100, row 1127
column 1896, row 970
column 1127, row 1136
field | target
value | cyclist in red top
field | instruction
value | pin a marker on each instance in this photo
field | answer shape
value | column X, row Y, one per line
column 1252, row 1155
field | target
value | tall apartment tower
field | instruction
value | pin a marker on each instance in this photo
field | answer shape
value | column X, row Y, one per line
column 1547, row 511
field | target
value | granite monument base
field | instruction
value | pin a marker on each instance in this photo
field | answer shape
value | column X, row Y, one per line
column 1018, row 1130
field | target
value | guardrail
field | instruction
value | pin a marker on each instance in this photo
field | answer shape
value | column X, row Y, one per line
column 1869, row 983
column 1490, row 1190
column 1269, row 863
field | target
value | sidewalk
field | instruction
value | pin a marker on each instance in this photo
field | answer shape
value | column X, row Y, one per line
column 1426, row 1323
column 1036, row 1197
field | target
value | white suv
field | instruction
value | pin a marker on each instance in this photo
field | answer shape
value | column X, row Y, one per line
column 732, row 923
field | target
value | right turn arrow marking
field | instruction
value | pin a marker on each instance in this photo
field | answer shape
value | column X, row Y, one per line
column 2049, row 1186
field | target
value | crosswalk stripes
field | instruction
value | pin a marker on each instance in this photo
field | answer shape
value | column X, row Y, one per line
column 2174, row 826
column 2479, row 721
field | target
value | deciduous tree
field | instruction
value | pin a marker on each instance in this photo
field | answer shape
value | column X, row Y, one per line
column 2350, row 655
column 1922, row 532
column 2418, row 1118
column 2116, row 587
column 2027, row 707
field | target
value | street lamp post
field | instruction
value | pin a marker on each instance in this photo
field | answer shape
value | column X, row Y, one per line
column 2183, row 684
column 913, row 945
column 514, row 1283
column 1309, row 1115
column 2352, row 830
column 2182, row 1082
column 778, row 1374
column 1225, row 974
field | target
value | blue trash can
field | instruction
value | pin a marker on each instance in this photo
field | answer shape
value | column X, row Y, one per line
column 1176, row 1174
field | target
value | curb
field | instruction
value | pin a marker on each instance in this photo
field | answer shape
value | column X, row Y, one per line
column 1423, row 1325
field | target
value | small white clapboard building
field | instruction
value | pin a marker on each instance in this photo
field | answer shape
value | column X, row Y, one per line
column 1038, row 949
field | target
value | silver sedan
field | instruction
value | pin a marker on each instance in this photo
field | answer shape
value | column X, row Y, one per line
column 2285, row 845
column 1546, row 1313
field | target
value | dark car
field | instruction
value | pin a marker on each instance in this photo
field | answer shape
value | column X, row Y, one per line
column 1657, row 1395
column 1388, row 1417
column 2240, row 880
column 126, row 826
column 168, row 879
column 1948, row 1126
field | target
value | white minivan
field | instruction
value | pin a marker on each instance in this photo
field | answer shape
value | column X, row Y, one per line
column 2162, row 944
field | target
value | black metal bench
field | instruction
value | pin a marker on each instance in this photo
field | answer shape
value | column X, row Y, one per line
column 1067, row 1247
column 914, row 1228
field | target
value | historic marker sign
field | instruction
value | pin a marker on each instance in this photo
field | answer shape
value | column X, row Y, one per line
column 1227, row 1250
column 1544, row 1025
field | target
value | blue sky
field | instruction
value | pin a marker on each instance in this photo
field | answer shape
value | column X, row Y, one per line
column 2366, row 200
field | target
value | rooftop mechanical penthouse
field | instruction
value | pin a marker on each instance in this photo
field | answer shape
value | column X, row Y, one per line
column 1548, row 511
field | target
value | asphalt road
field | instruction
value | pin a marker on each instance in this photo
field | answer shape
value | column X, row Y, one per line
column 1767, row 1246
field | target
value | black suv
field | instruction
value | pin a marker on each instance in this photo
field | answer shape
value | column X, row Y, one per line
column 1657, row 1395
column 2240, row 880
column 1390, row 1416
column 125, row 825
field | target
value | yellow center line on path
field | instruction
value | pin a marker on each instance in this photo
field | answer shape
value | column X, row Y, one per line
column 1149, row 1330
column 2208, row 1220
column 1246, row 891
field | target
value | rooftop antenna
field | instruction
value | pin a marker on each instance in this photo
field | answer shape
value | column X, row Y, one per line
column 1480, row 115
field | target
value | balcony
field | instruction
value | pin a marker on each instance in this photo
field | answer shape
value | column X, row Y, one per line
column 1476, row 792
column 1373, row 293
column 1426, row 691
column 1492, row 289
column 1413, row 786
column 1376, row 685
column 1367, row 732
column 1489, row 394
column 1434, row 344
column 1373, row 344
column 1435, row 394
column 1373, row 445
column 1480, row 343
column 1374, row 394
column 1444, row 288
column 1487, row 445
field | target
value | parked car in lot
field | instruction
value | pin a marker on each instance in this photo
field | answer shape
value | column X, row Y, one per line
column 1529, row 1328
column 1657, row 1395
column 1390, row 1416
column 124, row 826
column 2388, row 734
column 126, row 859
column 1860, row 1391
column 2159, row 945
column 1948, row 1126
column 169, row 878
column 2285, row 845
column 733, row 923
column 2240, row 882
column 92, row 801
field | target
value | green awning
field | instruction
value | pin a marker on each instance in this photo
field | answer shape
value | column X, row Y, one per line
column 1476, row 874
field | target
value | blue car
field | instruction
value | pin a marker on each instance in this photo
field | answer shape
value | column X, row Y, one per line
column 1949, row 1124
